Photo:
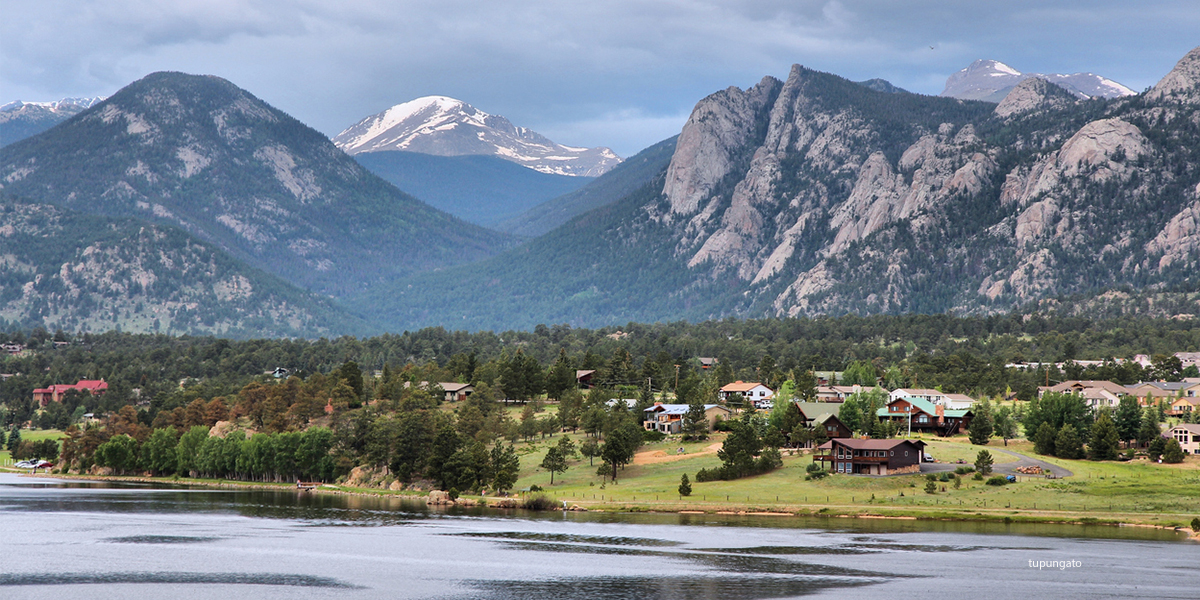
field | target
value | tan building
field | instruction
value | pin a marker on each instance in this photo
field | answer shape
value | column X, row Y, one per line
column 1188, row 435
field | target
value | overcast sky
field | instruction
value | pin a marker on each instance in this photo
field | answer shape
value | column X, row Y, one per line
column 622, row 73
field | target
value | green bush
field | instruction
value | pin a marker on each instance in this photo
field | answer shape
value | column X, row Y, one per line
column 930, row 487
column 998, row 480
column 815, row 471
column 1196, row 524
column 944, row 477
column 964, row 470
column 540, row 502
column 978, row 477
column 653, row 435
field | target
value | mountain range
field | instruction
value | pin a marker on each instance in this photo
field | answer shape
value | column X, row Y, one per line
column 447, row 127
column 201, row 154
column 992, row 80
column 804, row 196
column 816, row 195
column 19, row 120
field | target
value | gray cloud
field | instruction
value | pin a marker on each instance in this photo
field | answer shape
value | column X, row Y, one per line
column 621, row 73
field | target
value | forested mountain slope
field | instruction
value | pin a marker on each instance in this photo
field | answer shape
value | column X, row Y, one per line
column 202, row 154
column 61, row 269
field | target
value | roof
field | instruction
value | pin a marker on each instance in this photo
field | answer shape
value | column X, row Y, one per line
column 1188, row 427
column 959, row 397
column 580, row 373
column 871, row 444
column 925, row 406
column 742, row 386
column 819, row 411
column 1073, row 384
column 918, row 392
column 679, row 409
column 454, row 387
column 1167, row 386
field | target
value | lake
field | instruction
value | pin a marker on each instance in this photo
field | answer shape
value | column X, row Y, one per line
column 109, row 540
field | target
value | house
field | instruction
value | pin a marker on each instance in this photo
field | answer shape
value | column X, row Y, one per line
column 707, row 363
column 1074, row 386
column 12, row 348
column 668, row 418
column 630, row 403
column 55, row 393
column 1188, row 359
column 1188, row 435
column 871, row 457
column 954, row 401
column 824, row 416
column 1100, row 398
column 457, row 392
column 583, row 377
column 917, row 414
column 836, row 393
column 1183, row 406
column 751, row 391
column 1150, row 392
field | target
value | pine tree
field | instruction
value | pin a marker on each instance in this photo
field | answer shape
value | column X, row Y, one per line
column 981, row 429
column 685, row 486
column 983, row 462
column 1067, row 443
column 1173, row 452
column 554, row 462
column 1043, row 440
column 1105, row 439
column 1129, row 418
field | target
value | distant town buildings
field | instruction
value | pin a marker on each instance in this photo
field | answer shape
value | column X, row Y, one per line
column 55, row 393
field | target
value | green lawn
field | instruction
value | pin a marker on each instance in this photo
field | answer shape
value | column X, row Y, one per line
column 32, row 435
column 1137, row 491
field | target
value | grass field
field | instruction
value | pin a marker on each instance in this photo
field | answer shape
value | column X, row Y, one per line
column 1132, row 492
column 33, row 435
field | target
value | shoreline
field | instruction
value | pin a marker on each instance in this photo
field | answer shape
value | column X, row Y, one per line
column 865, row 512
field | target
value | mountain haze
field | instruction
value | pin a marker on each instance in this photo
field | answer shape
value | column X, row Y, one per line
column 199, row 153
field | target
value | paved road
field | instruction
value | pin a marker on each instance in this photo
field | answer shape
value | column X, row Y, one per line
column 1003, row 468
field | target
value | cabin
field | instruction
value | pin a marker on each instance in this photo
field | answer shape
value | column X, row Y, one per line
column 584, row 377
column 707, row 363
column 668, row 418
column 871, row 457
column 824, row 416
column 55, row 393
column 457, row 392
column 916, row 414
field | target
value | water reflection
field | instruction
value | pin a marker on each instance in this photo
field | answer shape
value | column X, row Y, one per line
column 282, row 579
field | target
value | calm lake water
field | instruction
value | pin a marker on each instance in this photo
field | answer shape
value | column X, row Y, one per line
column 90, row 540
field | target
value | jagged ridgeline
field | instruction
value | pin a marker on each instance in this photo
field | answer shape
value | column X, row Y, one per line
column 816, row 195
column 62, row 269
column 200, row 153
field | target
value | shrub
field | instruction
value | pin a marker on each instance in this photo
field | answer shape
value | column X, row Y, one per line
column 978, row 477
column 930, row 487
column 453, row 493
column 653, row 435
column 957, row 481
column 1196, row 524
column 722, row 425
column 533, row 488
column 815, row 471
column 998, row 480
column 540, row 502
column 944, row 477
column 964, row 470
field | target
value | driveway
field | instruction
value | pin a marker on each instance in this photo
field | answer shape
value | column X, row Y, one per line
column 1002, row 468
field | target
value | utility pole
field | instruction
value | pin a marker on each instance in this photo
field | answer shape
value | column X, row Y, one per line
column 676, row 381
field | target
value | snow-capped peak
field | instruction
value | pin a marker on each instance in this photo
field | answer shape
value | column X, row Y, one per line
column 448, row 127
column 81, row 103
column 992, row 80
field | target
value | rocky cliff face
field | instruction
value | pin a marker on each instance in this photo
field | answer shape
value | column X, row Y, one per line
column 818, row 199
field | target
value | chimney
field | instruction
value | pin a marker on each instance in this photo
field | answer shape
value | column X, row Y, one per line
column 941, row 414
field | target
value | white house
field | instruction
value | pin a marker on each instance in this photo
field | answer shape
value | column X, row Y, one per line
column 951, row 401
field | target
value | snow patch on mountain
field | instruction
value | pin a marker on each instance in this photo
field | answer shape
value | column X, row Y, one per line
column 992, row 80
column 448, row 127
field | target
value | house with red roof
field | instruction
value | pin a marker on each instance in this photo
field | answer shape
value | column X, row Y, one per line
column 55, row 393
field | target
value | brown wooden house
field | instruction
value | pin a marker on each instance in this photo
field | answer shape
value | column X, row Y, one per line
column 871, row 457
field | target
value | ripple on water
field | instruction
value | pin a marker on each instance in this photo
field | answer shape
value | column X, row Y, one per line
column 279, row 579
column 159, row 539
column 684, row 587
